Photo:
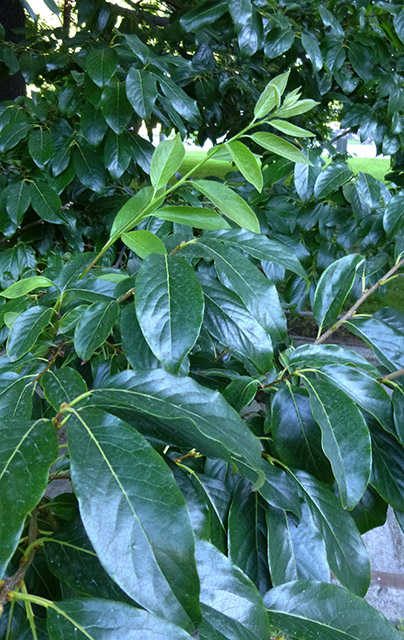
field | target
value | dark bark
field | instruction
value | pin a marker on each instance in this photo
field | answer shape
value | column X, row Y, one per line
column 12, row 18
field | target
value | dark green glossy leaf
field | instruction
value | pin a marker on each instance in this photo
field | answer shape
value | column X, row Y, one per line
column 137, row 351
column 132, row 212
column 155, row 565
column 296, row 435
column 202, row 16
column 319, row 355
column 179, row 100
column 229, row 592
column 346, row 552
column 240, row 392
column 169, row 307
column 399, row 24
column 295, row 547
column 345, row 437
column 91, row 290
column 157, row 400
column 333, row 288
column 166, row 160
column 385, row 340
column 101, row 65
column 94, row 327
column 278, row 41
column 246, row 163
column 141, row 90
column 16, row 392
column 18, row 200
column 92, row 125
column 26, row 330
column 281, row 147
column 89, row 168
column 62, row 385
column 96, row 619
column 230, row 322
column 197, row 217
column 331, row 179
column 311, row 46
column 27, row 450
column 115, row 107
column 229, row 203
column 398, row 404
column 369, row 394
column 41, row 146
column 306, row 609
column 117, row 154
column 370, row 512
column 46, row 202
column 393, row 219
column 12, row 134
column 143, row 243
column 388, row 467
column 305, row 177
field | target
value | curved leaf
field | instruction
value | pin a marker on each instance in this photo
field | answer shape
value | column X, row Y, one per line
column 143, row 243
column 101, row 65
column 141, row 90
column 229, row 203
column 115, row 107
column 166, row 160
column 281, row 147
column 26, row 330
column 22, row 287
column 94, row 327
column 197, row 217
column 246, row 163
column 331, row 179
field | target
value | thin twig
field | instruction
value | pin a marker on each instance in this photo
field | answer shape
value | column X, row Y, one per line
column 340, row 135
column 126, row 295
column 392, row 376
column 12, row 583
column 357, row 304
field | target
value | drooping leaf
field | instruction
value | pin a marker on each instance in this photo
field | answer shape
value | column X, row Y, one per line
column 169, row 307
column 197, row 217
column 46, row 202
column 94, row 327
column 22, row 287
column 101, row 65
column 155, row 565
column 307, row 609
column 41, row 146
column 202, row 16
column 18, row 200
column 398, row 404
column 26, row 330
column 62, row 385
column 92, row 125
column 333, row 288
column 229, row 203
column 141, row 90
column 319, row 355
column 311, row 46
column 115, row 107
column 16, row 392
column 143, row 243
column 345, row 437
column 393, row 219
column 278, row 41
column 281, row 147
column 385, row 340
column 89, row 167
column 12, row 134
column 166, row 160
column 132, row 212
column 388, row 468
column 179, row 100
column 27, row 450
column 117, row 154
column 96, row 619
column 331, row 179
column 137, row 351
column 246, row 163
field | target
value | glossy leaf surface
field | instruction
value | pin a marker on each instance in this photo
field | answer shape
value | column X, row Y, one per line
column 229, row 203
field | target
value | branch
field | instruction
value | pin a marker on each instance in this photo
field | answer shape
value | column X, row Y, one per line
column 357, row 304
column 392, row 376
column 340, row 135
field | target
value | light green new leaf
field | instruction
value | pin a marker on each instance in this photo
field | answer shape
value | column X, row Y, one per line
column 115, row 107
column 333, row 288
column 291, row 129
column 132, row 212
column 271, row 94
column 143, row 243
column 96, row 619
column 196, row 217
column 308, row 609
column 20, row 288
column 155, row 565
column 281, row 147
column 94, row 327
column 246, row 163
column 41, row 146
column 141, row 89
column 101, row 65
column 26, row 330
column 296, row 109
column 331, row 179
column 166, row 160
column 169, row 307
column 229, row 203
column 27, row 450
column 345, row 437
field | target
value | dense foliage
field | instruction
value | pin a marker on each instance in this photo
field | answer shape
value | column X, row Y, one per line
column 142, row 313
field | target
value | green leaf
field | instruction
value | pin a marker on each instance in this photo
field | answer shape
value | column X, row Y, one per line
column 115, row 107
column 137, row 351
column 385, row 340
column 46, row 202
column 240, row 392
column 291, row 129
column 246, row 163
column 96, row 619
column 22, row 287
column 296, row 435
column 227, row 591
column 369, row 394
column 393, row 218
column 169, row 307
column 319, row 355
column 101, row 65
column 398, row 404
column 92, row 125
column 370, row 512
column 117, row 154
column 26, row 330
column 345, row 437
column 89, row 168
column 269, row 97
column 333, row 288
column 331, row 179
column 179, row 100
column 339, row 532
column 27, row 450
column 306, row 609
column 398, row 21
column 18, row 200
column 296, row 109
column 278, row 41
column 295, row 548
column 203, row 419
column 196, row 217
column 12, row 134
column 166, row 160
column 62, row 385
column 94, row 327
column 202, row 16
column 230, row 322
column 16, row 393
column 155, row 565
column 132, row 212
column 281, row 147
column 41, row 146
column 262, row 248
column 229, row 203
column 141, row 90
column 388, row 467
column 311, row 47
column 143, row 243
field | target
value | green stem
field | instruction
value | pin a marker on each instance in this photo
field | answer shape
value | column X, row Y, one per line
column 87, row 394
column 30, row 614
column 10, row 620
